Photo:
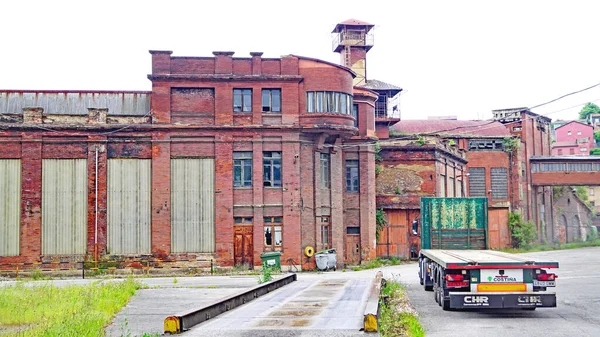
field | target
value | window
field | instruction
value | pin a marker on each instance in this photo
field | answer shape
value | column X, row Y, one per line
column 568, row 133
column 324, row 170
column 328, row 102
column 352, row 175
column 242, row 169
column 243, row 220
column 272, row 169
column 325, row 232
column 499, row 176
column 591, row 191
column 355, row 114
column 582, row 149
column 579, row 133
column 442, row 186
column 353, row 230
column 271, row 100
column 242, row 100
column 273, row 236
column 559, row 151
column 571, row 151
column 477, row 182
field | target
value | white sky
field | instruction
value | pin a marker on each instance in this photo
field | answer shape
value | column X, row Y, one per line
column 460, row 58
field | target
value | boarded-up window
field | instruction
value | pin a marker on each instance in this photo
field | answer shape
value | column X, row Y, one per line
column 499, row 177
column 10, row 206
column 193, row 205
column 64, row 206
column 193, row 100
column 442, row 185
column 477, row 182
column 128, row 206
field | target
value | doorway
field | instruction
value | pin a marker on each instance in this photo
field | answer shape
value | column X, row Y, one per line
column 243, row 246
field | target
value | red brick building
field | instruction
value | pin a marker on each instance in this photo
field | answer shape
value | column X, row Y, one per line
column 224, row 159
column 443, row 158
column 535, row 204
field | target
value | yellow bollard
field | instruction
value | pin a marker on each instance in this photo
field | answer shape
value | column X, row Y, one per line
column 172, row 325
column 370, row 323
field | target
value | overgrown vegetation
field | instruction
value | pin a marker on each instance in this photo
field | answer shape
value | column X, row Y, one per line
column 511, row 144
column 397, row 317
column 555, row 246
column 596, row 137
column 380, row 222
column 421, row 141
column 378, row 169
column 377, row 149
column 378, row 263
column 595, row 152
column 62, row 311
column 266, row 274
column 522, row 233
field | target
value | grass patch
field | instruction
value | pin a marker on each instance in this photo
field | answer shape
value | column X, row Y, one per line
column 378, row 263
column 397, row 317
column 547, row 247
column 62, row 311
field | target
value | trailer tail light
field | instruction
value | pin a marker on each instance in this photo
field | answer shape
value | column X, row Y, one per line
column 456, row 281
column 546, row 277
column 455, row 278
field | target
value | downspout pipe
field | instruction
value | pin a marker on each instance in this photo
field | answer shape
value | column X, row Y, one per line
column 96, row 212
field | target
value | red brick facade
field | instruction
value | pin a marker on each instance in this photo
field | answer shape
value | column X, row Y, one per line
column 192, row 115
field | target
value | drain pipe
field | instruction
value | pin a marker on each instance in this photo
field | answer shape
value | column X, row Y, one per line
column 96, row 213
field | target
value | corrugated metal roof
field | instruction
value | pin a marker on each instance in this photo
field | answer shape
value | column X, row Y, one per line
column 452, row 127
column 380, row 85
column 76, row 102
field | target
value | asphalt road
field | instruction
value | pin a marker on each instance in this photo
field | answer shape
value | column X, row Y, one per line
column 577, row 312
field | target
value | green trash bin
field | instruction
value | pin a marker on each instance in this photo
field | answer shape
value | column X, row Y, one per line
column 271, row 259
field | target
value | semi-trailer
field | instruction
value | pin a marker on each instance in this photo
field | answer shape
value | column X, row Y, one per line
column 456, row 265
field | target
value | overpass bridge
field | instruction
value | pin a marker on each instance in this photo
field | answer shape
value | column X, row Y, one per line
column 565, row 170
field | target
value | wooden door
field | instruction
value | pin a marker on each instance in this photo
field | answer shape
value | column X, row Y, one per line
column 352, row 249
column 243, row 248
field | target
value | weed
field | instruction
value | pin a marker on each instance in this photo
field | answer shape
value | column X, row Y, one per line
column 378, row 263
column 37, row 275
column 397, row 318
column 175, row 280
column 555, row 246
column 63, row 311
column 267, row 275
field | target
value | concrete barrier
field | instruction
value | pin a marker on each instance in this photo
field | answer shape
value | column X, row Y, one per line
column 371, row 315
column 185, row 320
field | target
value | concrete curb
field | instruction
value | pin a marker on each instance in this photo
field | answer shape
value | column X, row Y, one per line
column 185, row 320
column 371, row 315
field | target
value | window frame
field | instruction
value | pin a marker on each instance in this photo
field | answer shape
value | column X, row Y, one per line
column 334, row 102
column 325, row 224
column 272, row 162
column 243, row 158
column 274, row 224
column 354, row 113
column 244, row 94
column 325, row 170
column 269, row 92
column 352, row 164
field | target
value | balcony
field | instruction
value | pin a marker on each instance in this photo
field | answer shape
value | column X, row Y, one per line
column 352, row 39
column 381, row 111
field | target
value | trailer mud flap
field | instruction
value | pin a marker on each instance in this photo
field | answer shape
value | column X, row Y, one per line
column 501, row 300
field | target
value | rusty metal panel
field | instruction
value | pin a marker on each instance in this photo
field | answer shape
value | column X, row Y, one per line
column 64, row 206
column 75, row 103
column 129, row 206
column 10, row 206
column 499, row 178
column 192, row 205
column 477, row 182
